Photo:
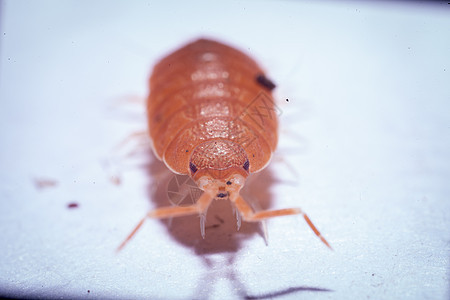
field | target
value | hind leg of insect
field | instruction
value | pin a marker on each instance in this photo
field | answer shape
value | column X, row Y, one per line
column 250, row 216
column 200, row 207
column 141, row 136
column 115, row 158
column 128, row 99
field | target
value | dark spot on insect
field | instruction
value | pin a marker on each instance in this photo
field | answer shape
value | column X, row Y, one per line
column 213, row 226
column 187, row 151
column 193, row 167
column 228, row 182
column 246, row 165
column 221, row 195
column 265, row 82
column 219, row 219
column 72, row 205
column 157, row 118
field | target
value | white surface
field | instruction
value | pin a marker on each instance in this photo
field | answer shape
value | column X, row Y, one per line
column 367, row 130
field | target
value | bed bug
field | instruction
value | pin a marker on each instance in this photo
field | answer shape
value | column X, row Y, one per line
column 211, row 116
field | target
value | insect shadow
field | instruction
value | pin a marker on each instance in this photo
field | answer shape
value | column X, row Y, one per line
column 222, row 235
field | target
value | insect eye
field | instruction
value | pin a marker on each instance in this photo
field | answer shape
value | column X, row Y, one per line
column 246, row 165
column 193, row 168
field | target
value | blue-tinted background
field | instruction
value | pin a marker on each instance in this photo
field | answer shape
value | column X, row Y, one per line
column 364, row 150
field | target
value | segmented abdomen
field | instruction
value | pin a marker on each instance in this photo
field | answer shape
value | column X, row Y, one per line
column 207, row 90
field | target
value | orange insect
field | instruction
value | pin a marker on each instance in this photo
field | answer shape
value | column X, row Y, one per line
column 211, row 115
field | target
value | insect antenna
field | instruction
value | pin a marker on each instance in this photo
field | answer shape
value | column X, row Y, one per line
column 317, row 232
column 131, row 234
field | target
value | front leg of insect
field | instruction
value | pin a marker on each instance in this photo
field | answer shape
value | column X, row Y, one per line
column 250, row 216
column 200, row 208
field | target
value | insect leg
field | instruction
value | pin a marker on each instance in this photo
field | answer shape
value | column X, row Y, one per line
column 137, row 135
column 112, row 164
column 250, row 216
column 200, row 207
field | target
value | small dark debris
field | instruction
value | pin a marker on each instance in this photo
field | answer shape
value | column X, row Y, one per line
column 287, row 100
column 265, row 82
column 42, row 183
column 187, row 151
column 116, row 180
column 89, row 291
column 72, row 205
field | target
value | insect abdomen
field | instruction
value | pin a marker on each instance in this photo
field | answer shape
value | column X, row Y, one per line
column 207, row 90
